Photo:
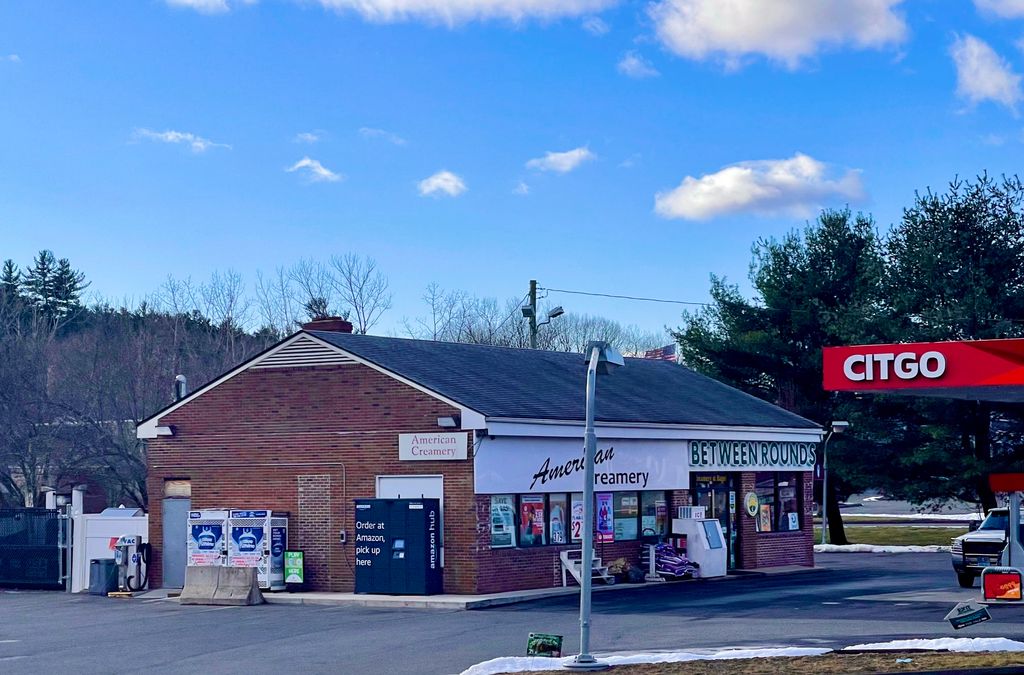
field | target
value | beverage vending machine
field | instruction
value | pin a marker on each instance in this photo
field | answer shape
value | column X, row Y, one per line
column 258, row 538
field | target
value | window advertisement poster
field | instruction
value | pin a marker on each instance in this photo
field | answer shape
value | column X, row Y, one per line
column 605, row 520
column 245, row 547
column 531, row 521
column 577, row 517
column 557, row 519
column 794, row 521
column 627, row 508
column 503, row 521
column 764, row 522
column 205, row 544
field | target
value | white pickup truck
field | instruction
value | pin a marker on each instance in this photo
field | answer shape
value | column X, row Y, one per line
column 976, row 550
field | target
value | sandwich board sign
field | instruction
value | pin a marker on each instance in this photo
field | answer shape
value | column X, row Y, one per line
column 967, row 614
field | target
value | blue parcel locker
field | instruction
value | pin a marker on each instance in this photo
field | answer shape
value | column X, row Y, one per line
column 398, row 546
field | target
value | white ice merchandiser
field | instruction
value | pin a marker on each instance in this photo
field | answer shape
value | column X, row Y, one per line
column 207, row 544
column 705, row 544
column 258, row 538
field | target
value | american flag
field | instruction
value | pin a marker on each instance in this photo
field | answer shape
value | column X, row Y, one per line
column 666, row 353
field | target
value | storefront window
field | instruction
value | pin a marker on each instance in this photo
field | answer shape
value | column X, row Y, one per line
column 532, row 528
column 778, row 502
column 557, row 519
column 653, row 513
column 576, row 524
column 503, row 521
column 626, row 509
column 558, row 514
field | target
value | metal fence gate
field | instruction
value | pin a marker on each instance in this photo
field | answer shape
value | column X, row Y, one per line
column 32, row 548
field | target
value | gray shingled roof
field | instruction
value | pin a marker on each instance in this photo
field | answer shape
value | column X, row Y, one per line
column 535, row 384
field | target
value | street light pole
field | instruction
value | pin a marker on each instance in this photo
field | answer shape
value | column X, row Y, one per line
column 600, row 354
column 837, row 427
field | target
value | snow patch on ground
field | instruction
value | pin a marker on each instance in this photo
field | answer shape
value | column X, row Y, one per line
column 523, row 664
column 871, row 548
column 919, row 516
column 950, row 644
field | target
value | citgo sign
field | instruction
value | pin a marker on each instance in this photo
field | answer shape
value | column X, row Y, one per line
column 924, row 365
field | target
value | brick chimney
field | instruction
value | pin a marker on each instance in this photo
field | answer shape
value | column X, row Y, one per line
column 331, row 324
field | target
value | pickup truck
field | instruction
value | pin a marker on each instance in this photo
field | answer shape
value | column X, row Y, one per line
column 980, row 548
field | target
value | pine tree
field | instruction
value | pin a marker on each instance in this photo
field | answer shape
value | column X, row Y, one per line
column 10, row 282
column 68, row 284
column 39, row 283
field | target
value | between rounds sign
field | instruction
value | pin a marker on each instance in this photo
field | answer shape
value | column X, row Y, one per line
column 445, row 445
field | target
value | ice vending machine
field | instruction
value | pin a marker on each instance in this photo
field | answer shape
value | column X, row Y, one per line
column 398, row 546
column 258, row 538
column 206, row 544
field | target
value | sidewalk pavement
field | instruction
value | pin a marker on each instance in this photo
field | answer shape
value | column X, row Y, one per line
column 459, row 602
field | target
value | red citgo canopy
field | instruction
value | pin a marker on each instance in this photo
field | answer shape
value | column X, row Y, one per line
column 976, row 370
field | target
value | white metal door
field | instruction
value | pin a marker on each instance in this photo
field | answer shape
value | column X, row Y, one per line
column 412, row 487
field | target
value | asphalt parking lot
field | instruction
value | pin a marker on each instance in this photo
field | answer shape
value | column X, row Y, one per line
column 853, row 598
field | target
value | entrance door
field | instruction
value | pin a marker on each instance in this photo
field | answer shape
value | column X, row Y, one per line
column 717, row 493
column 175, row 521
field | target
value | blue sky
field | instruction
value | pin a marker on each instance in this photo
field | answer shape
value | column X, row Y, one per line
column 155, row 137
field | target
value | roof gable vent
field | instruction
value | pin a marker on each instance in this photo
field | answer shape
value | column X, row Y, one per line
column 303, row 352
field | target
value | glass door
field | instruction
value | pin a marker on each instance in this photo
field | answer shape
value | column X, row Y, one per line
column 717, row 493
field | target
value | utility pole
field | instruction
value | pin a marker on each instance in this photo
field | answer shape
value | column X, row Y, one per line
column 533, row 314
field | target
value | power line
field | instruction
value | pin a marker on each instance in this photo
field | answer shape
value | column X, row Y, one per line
column 864, row 312
column 629, row 297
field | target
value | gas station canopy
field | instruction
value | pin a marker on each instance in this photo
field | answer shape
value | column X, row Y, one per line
column 973, row 370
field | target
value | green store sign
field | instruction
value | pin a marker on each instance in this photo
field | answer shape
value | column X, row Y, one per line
column 747, row 455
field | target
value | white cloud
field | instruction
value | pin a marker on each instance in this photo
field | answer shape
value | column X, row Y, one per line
column 310, row 137
column 521, row 189
column 195, row 143
column 315, row 171
column 561, row 162
column 1005, row 9
column 636, row 66
column 453, row 12
column 370, row 132
column 202, row 6
column 794, row 186
column 983, row 75
column 596, row 26
column 13, row 58
column 442, row 182
column 786, row 31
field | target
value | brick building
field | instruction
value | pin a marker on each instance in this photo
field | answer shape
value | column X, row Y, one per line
column 326, row 417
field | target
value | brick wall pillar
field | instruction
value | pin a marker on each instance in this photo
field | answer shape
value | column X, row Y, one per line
column 313, row 527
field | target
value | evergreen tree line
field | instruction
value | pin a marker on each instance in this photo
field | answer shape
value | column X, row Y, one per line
column 952, row 268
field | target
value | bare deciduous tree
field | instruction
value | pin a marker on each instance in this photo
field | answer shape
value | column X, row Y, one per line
column 362, row 288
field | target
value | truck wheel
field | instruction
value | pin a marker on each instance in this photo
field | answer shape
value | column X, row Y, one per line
column 965, row 579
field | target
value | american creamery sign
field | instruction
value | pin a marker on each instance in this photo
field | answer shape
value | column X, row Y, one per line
column 523, row 465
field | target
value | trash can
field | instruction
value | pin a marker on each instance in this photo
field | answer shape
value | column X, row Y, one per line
column 102, row 577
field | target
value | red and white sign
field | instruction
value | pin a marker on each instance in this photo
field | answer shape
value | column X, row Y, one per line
column 433, row 446
column 924, row 365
